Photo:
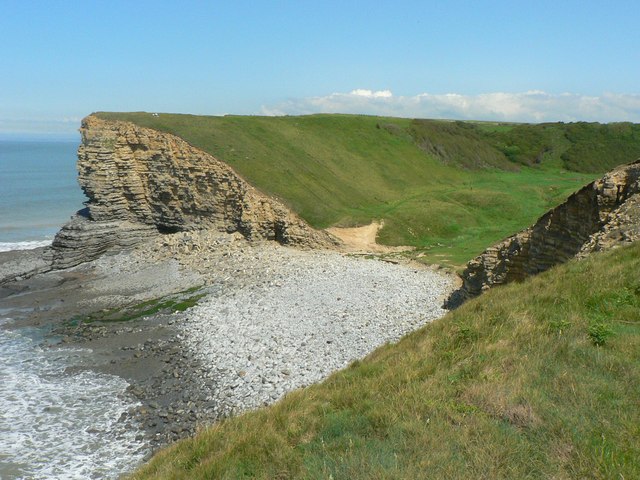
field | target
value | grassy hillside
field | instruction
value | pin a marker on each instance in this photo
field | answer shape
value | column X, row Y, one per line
column 448, row 188
column 531, row 380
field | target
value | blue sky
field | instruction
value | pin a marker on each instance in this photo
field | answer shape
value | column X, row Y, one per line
column 503, row 60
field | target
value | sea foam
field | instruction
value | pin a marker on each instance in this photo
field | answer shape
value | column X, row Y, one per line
column 60, row 424
column 28, row 245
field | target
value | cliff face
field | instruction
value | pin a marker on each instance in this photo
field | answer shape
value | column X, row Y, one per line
column 601, row 215
column 140, row 182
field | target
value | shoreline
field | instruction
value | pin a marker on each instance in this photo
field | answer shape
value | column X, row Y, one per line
column 184, row 368
column 148, row 354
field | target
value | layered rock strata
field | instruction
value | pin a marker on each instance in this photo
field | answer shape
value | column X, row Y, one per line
column 82, row 239
column 140, row 182
column 603, row 214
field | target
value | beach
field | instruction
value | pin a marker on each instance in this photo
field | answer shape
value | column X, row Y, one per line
column 268, row 320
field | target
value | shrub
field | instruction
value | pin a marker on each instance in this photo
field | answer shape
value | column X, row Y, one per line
column 599, row 332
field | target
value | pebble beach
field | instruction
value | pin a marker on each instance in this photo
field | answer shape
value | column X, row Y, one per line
column 270, row 319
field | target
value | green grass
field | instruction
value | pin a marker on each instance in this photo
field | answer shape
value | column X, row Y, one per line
column 514, row 384
column 448, row 188
column 532, row 380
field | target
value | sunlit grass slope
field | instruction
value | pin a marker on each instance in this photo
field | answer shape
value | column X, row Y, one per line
column 449, row 188
column 532, row 380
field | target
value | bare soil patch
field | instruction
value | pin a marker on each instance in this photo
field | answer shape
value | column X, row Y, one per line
column 363, row 239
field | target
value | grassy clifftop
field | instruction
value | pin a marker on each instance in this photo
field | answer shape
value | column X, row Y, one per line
column 448, row 188
column 531, row 380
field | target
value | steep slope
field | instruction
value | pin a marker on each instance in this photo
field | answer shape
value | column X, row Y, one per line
column 601, row 215
column 534, row 380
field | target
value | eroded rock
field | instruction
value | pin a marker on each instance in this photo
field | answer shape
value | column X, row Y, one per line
column 600, row 216
column 141, row 182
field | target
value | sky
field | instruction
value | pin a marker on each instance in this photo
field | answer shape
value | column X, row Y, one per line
column 516, row 60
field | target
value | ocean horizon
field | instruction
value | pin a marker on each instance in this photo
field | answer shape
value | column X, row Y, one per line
column 39, row 190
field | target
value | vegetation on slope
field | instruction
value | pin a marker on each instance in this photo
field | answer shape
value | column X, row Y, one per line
column 448, row 188
column 531, row 380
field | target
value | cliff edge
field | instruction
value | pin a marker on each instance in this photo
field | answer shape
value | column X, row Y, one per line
column 142, row 182
column 600, row 216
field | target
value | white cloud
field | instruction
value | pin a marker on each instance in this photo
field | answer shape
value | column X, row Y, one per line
column 361, row 92
column 530, row 106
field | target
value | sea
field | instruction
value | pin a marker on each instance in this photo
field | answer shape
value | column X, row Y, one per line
column 38, row 191
column 56, row 421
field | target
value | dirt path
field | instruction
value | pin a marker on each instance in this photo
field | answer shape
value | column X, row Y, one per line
column 363, row 239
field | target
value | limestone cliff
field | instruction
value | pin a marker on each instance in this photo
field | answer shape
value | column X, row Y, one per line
column 601, row 215
column 140, row 182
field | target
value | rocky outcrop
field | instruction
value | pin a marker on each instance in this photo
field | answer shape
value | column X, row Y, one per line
column 142, row 182
column 602, row 215
column 623, row 227
column 82, row 239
